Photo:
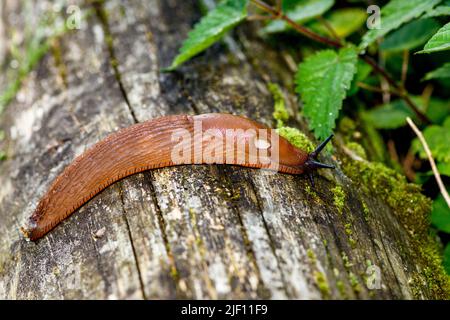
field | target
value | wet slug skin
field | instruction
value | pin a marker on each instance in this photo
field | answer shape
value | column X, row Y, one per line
column 167, row 141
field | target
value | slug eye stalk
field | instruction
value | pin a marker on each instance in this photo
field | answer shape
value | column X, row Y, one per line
column 312, row 164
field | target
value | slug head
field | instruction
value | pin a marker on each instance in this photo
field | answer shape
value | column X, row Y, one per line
column 312, row 164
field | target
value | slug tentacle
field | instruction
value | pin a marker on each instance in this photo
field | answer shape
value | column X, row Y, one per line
column 311, row 164
column 167, row 141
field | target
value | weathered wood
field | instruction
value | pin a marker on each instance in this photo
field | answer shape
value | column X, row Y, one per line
column 182, row 232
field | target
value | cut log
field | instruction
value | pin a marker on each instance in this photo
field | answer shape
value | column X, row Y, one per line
column 199, row 232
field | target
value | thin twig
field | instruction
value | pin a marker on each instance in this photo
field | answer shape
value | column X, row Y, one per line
column 408, row 163
column 329, row 27
column 279, row 5
column 258, row 17
column 426, row 95
column 431, row 160
column 299, row 28
column 404, row 67
column 372, row 88
column 333, row 43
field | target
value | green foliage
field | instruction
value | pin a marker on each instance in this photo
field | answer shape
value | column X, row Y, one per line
column 446, row 260
column 439, row 42
column 210, row 29
column 441, row 72
column 394, row 14
column 393, row 115
column 362, row 72
column 441, row 10
column 322, row 81
column 444, row 168
column 299, row 11
column 440, row 215
column 344, row 22
column 410, row 35
column 438, row 138
column 389, row 116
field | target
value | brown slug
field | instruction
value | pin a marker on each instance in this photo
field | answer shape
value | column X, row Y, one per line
column 167, row 141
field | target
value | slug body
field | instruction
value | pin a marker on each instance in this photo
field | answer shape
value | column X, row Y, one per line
column 163, row 142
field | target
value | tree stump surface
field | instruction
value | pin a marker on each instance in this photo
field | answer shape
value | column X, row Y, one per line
column 204, row 231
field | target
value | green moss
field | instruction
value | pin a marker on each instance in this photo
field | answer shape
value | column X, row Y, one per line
column 346, row 261
column 341, row 288
column 412, row 209
column 322, row 284
column 435, row 280
column 349, row 232
column 280, row 113
column 405, row 198
column 357, row 149
column 310, row 191
column 174, row 273
column 366, row 210
column 296, row 138
column 311, row 255
column 354, row 282
column 2, row 155
column 338, row 197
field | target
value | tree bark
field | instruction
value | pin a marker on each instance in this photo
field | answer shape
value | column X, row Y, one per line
column 204, row 231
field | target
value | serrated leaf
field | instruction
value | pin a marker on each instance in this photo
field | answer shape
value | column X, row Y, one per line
column 301, row 12
column 322, row 81
column 210, row 29
column 343, row 21
column 440, row 215
column 410, row 35
column 437, row 138
column 441, row 72
column 439, row 42
column 394, row 14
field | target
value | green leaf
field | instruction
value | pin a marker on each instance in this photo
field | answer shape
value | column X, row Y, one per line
column 439, row 42
column 393, row 115
column 410, row 35
column 300, row 12
column 437, row 138
column 389, row 116
column 441, row 72
column 444, row 168
column 440, row 215
column 322, row 80
column 437, row 110
column 446, row 259
column 210, row 29
column 362, row 72
column 394, row 14
column 343, row 21
column 438, row 11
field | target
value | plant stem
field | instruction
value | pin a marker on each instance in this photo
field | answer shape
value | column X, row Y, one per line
column 431, row 160
column 331, row 42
